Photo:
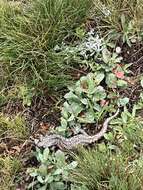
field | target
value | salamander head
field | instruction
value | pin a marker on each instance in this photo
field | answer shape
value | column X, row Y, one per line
column 46, row 141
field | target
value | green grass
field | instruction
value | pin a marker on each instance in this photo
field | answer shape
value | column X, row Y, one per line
column 28, row 34
column 9, row 168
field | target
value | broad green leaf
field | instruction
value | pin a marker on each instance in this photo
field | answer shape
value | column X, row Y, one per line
column 43, row 170
column 88, row 117
column 91, row 83
column 123, row 101
column 40, row 179
column 76, row 108
column 99, row 77
column 111, row 80
column 49, row 178
column 46, row 153
column 57, row 186
column 84, row 101
column 97, row 107
column 109, row 136
column 71, row 118
column 58, row 171
column 65, row 174
column 71, row 97
column 72, row 165
column 61, row 130
column 64, row 113
column 122, row 83
column 99, row 94
column 102, row 147
column 60, row 157
column 80, row 32
column 63, row 122
column 106, row 55
column 67, row 107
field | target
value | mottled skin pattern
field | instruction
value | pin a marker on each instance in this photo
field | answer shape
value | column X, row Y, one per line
column 71, row 143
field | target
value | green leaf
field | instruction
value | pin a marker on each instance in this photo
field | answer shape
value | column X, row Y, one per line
column 99, row 94
column 111, row 80
column 84, row 101
column 124, row 117
column 99, row 77
column 80, row 32
column 106, row 55
column 123, row 21
column 76, row 108
column 72, row 165
column 32, row 171
column 64, row 113
column 91, row 83
column 61, row 130
column 40, row 179
column 87, row 117
column 46, row 153
column 67, row 107
column 49, row 178
column 108, row 136
column 40, row 157
column 71, row 118
column 123, row 101
column 122, row 83
column 58, row 171
column 64, row 123
column 57, row 186
column 43, row 170
column 60, row 157
column 71, row 97
column 97, row 107
column 102, row 147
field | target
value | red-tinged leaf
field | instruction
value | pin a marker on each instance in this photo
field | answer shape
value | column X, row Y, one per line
column 119, row 74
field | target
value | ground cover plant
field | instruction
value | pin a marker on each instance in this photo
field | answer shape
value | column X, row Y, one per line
column 65, row 67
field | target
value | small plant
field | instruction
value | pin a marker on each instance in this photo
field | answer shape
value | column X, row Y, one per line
column 83, row 102
column 53, row 172
column 88, row 101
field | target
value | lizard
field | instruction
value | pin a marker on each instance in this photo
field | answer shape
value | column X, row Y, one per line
column 72, row 142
